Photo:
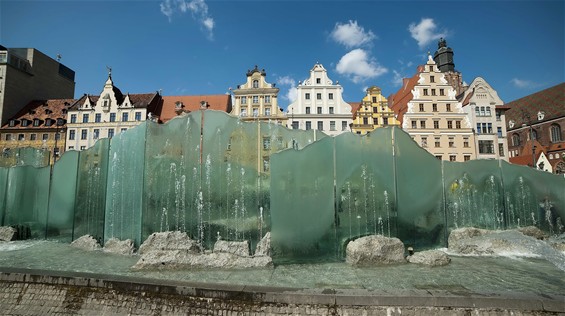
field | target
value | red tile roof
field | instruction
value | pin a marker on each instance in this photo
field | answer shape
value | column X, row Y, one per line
column 138, row 100
column 168, row 106
column 398, row 102
column 551, row 101
column 355, row 106
column 42, row 110
column 525, row 157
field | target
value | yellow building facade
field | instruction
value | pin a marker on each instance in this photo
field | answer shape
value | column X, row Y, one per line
column 372, row 113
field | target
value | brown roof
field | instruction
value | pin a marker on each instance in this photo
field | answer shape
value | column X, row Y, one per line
column 398, row 101
column 355, row 106
column 468, row 97
column 168, row 106
column 525, row 157
column 138, row 100
column 551, row 101
column 42, row 110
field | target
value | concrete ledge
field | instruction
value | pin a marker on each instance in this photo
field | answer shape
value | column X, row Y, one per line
column 276, row 296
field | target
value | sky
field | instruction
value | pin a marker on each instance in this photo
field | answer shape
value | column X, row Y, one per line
column 198, row 47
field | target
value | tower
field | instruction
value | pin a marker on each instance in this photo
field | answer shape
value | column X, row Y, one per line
column 443, row 57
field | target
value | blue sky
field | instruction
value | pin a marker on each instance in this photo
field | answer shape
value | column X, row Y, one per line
column 188, row 47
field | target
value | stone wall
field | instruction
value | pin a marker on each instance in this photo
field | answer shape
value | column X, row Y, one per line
column 33, row 294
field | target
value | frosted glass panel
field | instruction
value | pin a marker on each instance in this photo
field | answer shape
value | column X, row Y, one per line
column 25, row 157
column 3, row 184
column 62, row 198
column 91, row 184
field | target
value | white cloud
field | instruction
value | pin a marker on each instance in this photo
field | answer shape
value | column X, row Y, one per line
column 351, row 34
column 197, row 8
column 397, row 78
column 292, row 92
column 523, row 84
column 425, row 32
column 359, row 66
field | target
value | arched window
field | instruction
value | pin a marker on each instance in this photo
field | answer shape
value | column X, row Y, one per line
column 515, row 140
column 534, row 135
column 555, row 131
column 255, row 83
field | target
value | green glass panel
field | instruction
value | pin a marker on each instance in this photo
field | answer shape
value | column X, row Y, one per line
column 124, row 189
column 27, row 156
column 421, row 214
column 172, row 176
column 474, row 194
column 27, row 199
column 90, row 190
column 62, row 197
column 366, row 197
column 534, row 198
column 3, row 187
column 302, row 202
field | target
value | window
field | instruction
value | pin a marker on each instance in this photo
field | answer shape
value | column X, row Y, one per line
column 515, row 140
column 432, row 79
column 71, row 134
column 36, row 122
column 112, row 117
column 24, row 122
column 452, row 158
column 21, row 137
column 110, row 132
column 375, row 109
column 533, row 135
column 488, row 111
column 85, row 118
column 555, row 133
column 318, row 96
column 48, row 122
column 448, row 107
column 425, row 91
column 138, row 116
column 434, row 107
column 266, row 164
column 424, row 142
column 267, row 99
column 422, row 124
column 266, row 143
column 441, row 92
column 83, row 134
column 73, row 118
column 365, row 121
column 414, row 124
column 466, row 142
column 431, row 68
column 437, row 142
column 46, row 137
column 308, row 125
column 466, row 157
column 436, row 124
column 343, row 125
column 307, row 110
column 482, row 111
column 331, row 110
column 438, row 157
column 451, row 142
column 96, row 133
column 268, row 111
column 319, row 110
column 125, row 117
column 8, row 137
column 450, row 124
column 332, row 125
column 486, row 147
column 57, row 136
column 307, row 96
column 33, row 137
column 433, row 91
column 295, row 125
column 498, row 115
column 499, row 131
column 255, row 99
column 320, row 126
column 374, row 99
column 489, row 128
column 243, row 100
column 331, row 96
column 255, row 112
column 243, row 113
column 82, row 147
column 385, row 121
column 421, row 107
column 255, row 83
column 501, row 149
column 98, row 117
column 458, row 124
column 477, row 111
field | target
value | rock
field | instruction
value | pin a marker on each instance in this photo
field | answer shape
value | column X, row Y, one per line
column 430, row 257
column 86, row 242
column 465, row 233
column 239, row 248
column 114, row 245
column 7, row 233
column 375, row 249
column 264, row 246
column 169, row 241
column 182, row 259
column 533, row 231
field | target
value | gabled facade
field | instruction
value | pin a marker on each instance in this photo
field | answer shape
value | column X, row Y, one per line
column 486, row 112
column 319, row 105
column 373, row 112
column 430, row 113
column 40, row 124
column 256, row 99
column 93, row 117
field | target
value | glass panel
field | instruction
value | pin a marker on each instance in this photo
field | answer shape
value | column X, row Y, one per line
column 3, row 187
column 62, row 197
column 91, row 190
column 124, row 190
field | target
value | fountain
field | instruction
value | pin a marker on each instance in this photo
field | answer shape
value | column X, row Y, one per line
column 208, row 174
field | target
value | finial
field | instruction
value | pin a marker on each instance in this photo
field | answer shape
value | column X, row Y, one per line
column 109, row 71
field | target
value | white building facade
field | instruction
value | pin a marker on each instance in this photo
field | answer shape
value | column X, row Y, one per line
column 320, row 105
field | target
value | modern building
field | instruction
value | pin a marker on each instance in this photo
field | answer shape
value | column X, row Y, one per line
column 319, row 105
column 112, row 112
column 256, row 99
column 40, row 124
column 535, row 125
column 173, row 106
column 373, row 112
column 429, row 111
column 485, row 111
column 27, row 74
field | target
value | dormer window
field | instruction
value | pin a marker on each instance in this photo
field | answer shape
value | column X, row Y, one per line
column 541, row 115
column 48, row 111
column 36, row 122
column 24, row 122
column 178, row 105
column 48, row 122
column 64, row 111
column 60, row 122
column 105, row 103
column 255, row 83
column 12, row 123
